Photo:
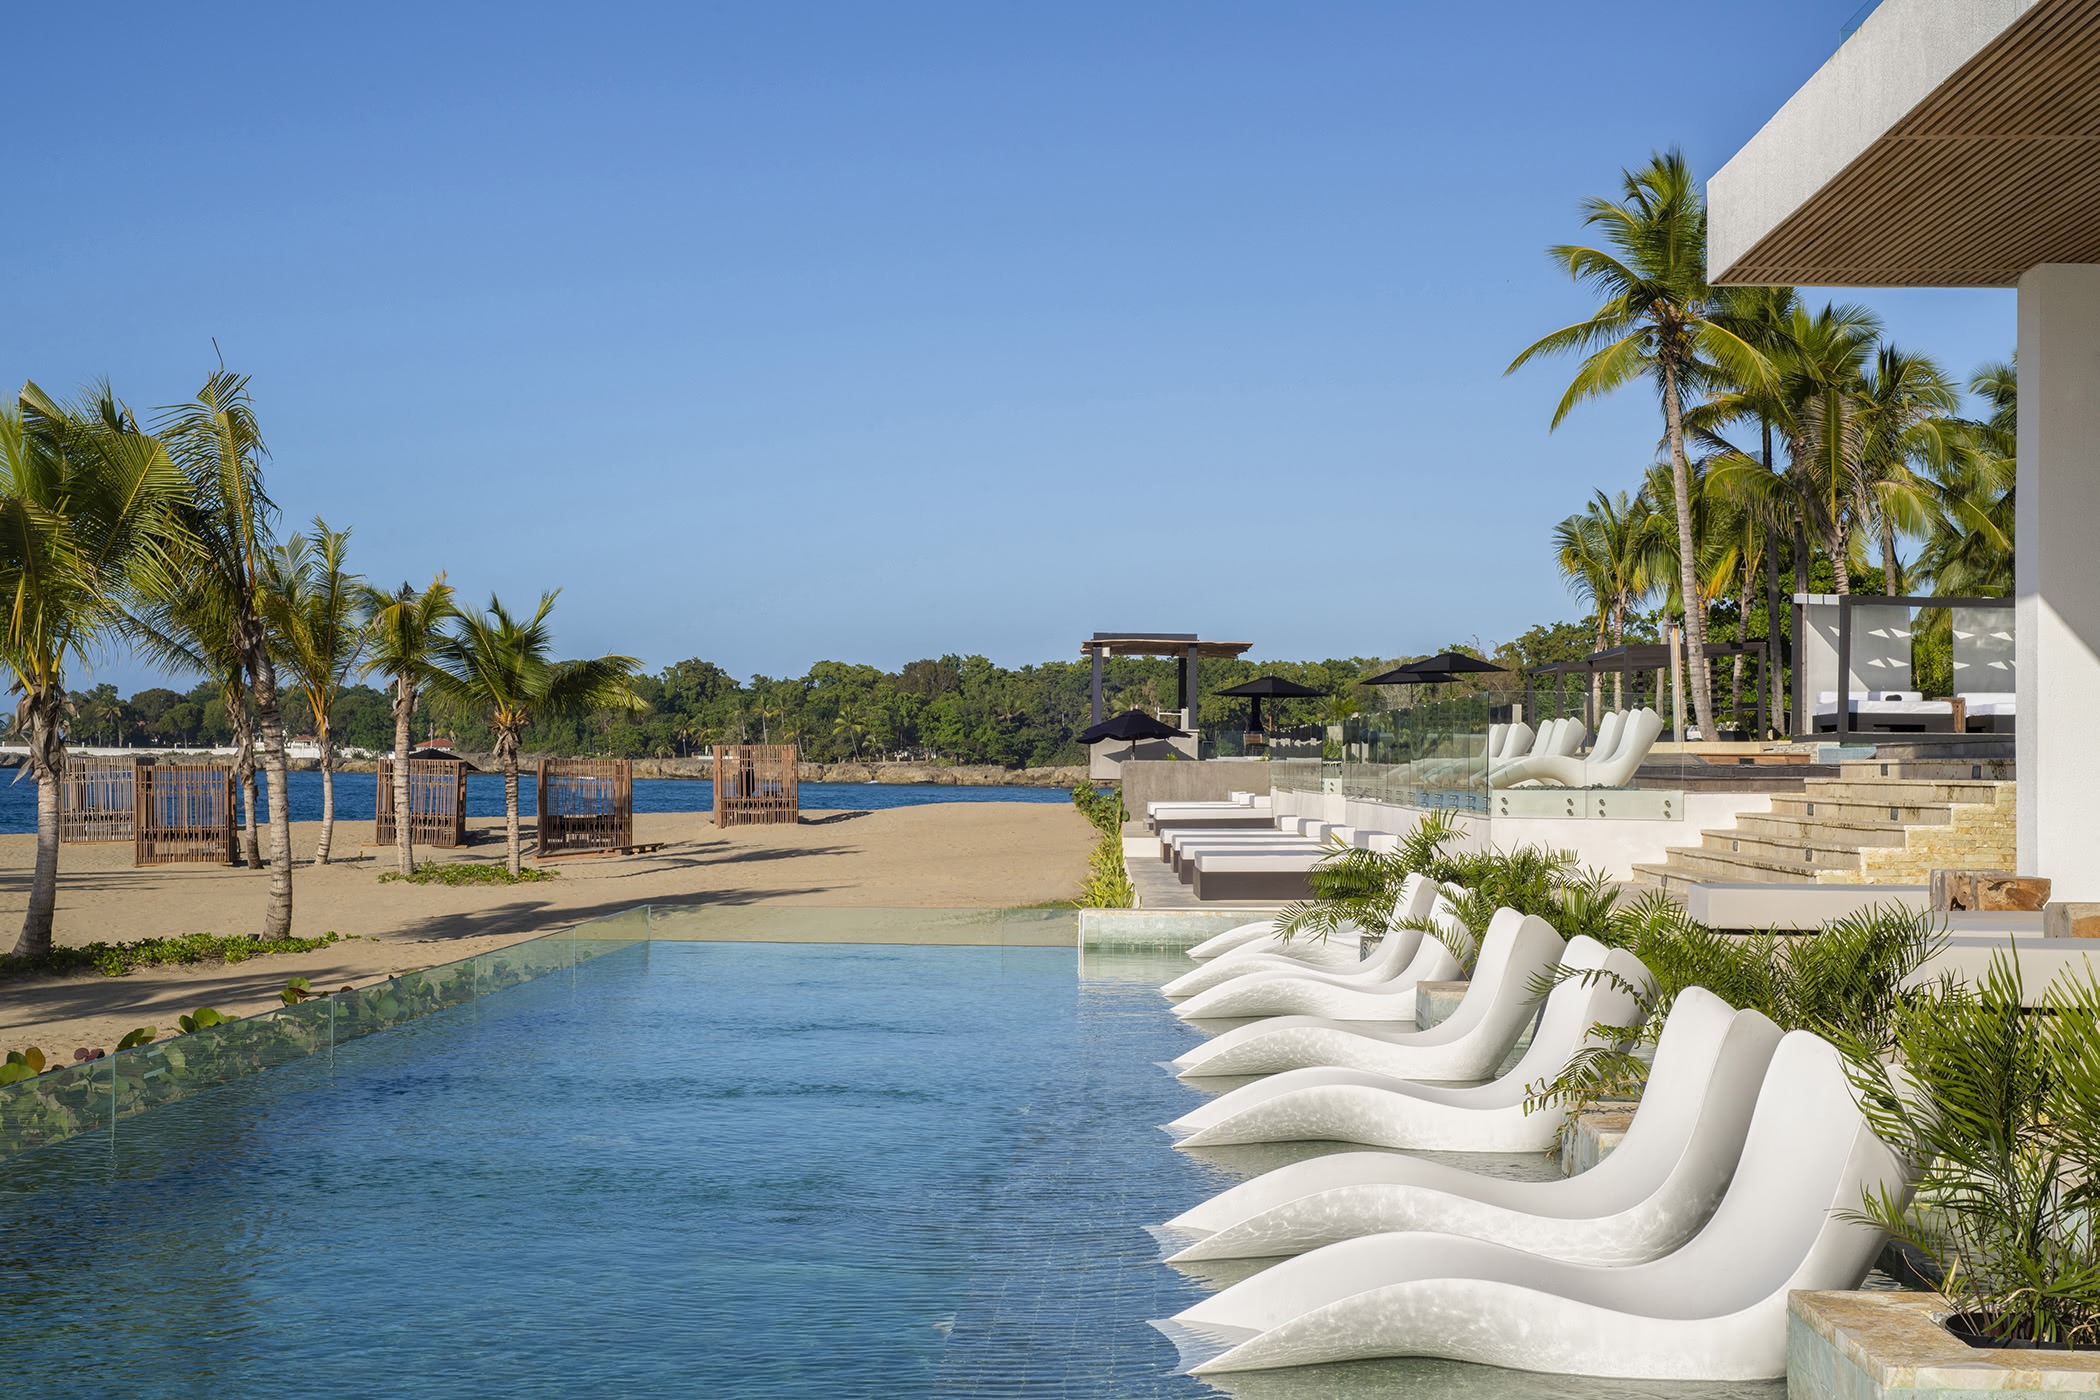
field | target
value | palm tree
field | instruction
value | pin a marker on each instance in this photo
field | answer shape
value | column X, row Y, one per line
column 1581, row 557
column 499, row 665
column 1660, row 319
column 86, row 504
column 218, row 444
column 312, row 609
column 1969, row 482
column 402, row 629
column 1907, row 415
column 849, row 724
column 1630, row 544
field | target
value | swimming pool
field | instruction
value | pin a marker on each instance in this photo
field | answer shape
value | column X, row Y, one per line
column 691, row 1169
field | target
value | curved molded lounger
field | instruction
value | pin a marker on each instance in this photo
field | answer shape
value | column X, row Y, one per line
column 1347, row 1105
column 1613, row 770
column 1317, row 993
column 1392, row 954
column 1468, row 1044
column 1645, row 1199
column 1714, row 1309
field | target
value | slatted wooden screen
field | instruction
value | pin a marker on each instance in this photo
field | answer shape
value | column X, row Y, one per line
column 437, row 802
column 755, row 785
column 95, row 801
column 586, row 804
column 182, row 814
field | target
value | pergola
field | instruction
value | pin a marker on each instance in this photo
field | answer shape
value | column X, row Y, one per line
column 1958, row 145
column 1186, row 646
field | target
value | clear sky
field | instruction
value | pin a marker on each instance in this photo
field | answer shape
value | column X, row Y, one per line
column 778, row 332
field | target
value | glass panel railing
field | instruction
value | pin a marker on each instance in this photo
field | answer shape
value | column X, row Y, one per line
column 96, row 1094
column 1427, row 753
column 791, row 923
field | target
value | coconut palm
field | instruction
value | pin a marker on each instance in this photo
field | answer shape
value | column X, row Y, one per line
column 1907, row 416
column 499, row 665
column 1624, row 540
column 217, row 442
column 312, row 609
column 403, row 631
column 87, row 502
column 1968, row 549
column 1660, row 320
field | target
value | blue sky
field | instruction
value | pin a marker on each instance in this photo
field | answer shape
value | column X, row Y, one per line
column 781, row 332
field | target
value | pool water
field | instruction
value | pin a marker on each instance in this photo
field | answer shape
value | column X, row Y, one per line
column 690, row 1169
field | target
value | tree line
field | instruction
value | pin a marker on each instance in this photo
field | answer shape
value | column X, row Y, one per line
column 163, row 539
column 1797, row 443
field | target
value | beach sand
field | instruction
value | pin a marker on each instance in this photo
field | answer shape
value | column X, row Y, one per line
column 948, row 855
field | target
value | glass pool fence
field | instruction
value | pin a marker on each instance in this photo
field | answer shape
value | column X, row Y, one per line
column 96, row 1095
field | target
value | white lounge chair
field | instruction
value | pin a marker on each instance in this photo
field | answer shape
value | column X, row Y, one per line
column 1468, row 1044
column 1648, row 1197
column 1390, row 957
column 1636, row 738
column 1329, row 1104
column 1714, row 1309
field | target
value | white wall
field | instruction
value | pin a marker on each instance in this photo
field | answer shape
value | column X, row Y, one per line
column 2056, row 543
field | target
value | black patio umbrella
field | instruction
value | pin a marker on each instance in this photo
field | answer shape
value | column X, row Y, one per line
column 1443, row 667
column 1269, row 688
column 1406, row 677
column 1132, row 727
column 441, row 753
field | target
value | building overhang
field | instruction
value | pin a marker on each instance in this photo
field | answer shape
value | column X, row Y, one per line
column 1947, row 143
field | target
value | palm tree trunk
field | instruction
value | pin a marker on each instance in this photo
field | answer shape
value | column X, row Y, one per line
column 262, row 678
column 1618, row 639
column 1597, row 677
column 404, row 832
column 1891, row 568
column 510, row 812
column 1775, row 672
column 47, row 760
column 1742, row 634
column 1687, row 556
column 327, row 794
column 251, row 846
column 1841, row 554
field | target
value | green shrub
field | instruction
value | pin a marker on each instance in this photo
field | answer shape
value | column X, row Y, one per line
column 116, row 959
column 1107, row 885
column 1998, row 1107
column 454, row 872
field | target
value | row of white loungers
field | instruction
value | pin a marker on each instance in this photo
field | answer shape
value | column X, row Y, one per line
column 1672, row 1259
column 1275, row 863
column 1240, row 809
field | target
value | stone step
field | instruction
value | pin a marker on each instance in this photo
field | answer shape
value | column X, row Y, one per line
column 1929, row 769
column 1820, row 830
column 1897, row 813
column 1784, row 849
column 1901, row 791
column 1725, row 867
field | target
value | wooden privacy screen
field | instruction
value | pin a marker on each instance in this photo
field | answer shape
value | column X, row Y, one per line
column 183, row 815
column 437, row 802
column 586, row 804
column 96, row 799
column 755, row 784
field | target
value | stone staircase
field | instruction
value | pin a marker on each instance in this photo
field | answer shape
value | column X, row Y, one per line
column 1881, row 822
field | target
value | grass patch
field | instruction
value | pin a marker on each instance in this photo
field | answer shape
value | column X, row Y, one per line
column 116, row 959
column 435, row 872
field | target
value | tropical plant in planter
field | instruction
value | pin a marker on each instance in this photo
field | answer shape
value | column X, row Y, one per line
column 1999, row 1108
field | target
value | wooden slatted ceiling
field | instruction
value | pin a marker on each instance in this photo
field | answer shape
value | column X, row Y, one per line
column 1997, row 171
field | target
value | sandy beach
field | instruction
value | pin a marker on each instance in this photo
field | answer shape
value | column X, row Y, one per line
column 937, row 856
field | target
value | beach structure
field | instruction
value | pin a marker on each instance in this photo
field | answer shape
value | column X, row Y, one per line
column 1952, row 145
column 1187, row 649
column 437, row 801
column 96, row 801
column 755, row 785
column 586, row 806
column 183, row 814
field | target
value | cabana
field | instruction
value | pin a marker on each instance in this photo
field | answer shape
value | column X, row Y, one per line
column 96, row 800
column 755, row 785
column 437, row 801
column 586, row 806
column 182, row 814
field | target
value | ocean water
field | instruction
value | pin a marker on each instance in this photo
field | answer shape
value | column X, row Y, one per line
column 695, row 1170
column 355, row 795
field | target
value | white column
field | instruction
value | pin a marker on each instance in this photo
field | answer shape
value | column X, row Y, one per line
column 2057, row 565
